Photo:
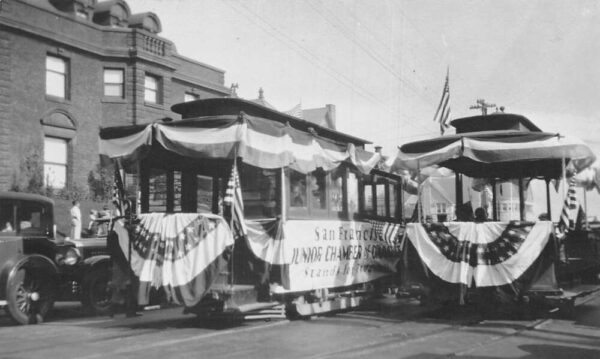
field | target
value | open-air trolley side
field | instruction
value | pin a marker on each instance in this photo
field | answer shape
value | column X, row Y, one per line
column 489, row 261
column 240, row 208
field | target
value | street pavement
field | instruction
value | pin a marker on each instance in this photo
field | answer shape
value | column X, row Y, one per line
column 388, row 328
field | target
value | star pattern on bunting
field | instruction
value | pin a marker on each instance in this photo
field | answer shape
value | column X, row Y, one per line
column 150, row 244
column 497, row 251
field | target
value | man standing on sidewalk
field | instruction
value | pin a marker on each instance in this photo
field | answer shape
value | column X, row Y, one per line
column 75, row 221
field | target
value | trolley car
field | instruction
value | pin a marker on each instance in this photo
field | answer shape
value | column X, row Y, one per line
column 485, row 260
column 309, row 226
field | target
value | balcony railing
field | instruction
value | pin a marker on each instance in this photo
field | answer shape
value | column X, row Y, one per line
column 154, row 45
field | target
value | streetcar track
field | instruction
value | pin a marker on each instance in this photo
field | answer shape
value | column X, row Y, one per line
column 145, row 347
column 402, row 339
column 533, row 326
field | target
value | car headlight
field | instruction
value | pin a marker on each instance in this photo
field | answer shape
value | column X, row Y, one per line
column 72, row 256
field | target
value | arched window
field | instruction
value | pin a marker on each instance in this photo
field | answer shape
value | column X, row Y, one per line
column 59, row 129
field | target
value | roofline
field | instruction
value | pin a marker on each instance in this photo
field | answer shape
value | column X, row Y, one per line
column 26, row 196
column 273, row 115
column 479, row 134
column 530, row 125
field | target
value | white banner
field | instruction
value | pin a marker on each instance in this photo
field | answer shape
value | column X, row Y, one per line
column 326, row 254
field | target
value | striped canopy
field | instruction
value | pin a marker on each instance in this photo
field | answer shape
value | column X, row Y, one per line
column 257, row 141
column 504, row 154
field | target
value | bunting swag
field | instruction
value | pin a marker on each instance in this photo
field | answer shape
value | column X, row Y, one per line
column 515, row 148
column 487, row 254
column 258, row 259
column 259, row 142
column 182, row 253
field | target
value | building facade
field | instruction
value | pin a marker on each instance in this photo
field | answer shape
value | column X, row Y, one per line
column 68, row 67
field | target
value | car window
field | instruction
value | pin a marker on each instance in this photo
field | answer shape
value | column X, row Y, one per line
column 7, row 220
column 29, row 217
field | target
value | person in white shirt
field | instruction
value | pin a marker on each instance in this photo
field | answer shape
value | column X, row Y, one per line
column 75, row 220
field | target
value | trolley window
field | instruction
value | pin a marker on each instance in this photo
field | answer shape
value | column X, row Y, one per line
column 380, row 198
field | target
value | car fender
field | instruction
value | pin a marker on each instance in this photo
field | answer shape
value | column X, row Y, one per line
column 95, row 262
column 9, row 268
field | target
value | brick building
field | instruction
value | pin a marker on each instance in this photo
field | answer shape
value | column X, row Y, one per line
column 68, row 67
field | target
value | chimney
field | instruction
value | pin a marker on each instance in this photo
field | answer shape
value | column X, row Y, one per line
column 330, row 116
column 378, row 149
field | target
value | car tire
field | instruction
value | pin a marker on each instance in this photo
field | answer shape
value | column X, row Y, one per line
column 97, row 292
column 30, row 294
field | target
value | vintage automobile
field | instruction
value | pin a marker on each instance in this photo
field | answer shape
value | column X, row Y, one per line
column 37, row 269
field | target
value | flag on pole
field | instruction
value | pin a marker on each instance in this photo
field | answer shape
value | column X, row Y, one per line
column 233, row 199
column 569, row 204
column 386, row 231
column 442, row 114
column 118, row 191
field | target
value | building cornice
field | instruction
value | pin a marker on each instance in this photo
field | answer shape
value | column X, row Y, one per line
column 192, row 81
column 136, row 44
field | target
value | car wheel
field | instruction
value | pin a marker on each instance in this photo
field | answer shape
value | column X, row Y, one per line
column 97, row 292
column 30, row 294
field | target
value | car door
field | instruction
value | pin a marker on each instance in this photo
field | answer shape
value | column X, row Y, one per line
column 11, row 244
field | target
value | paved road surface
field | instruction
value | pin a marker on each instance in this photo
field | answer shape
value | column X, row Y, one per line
column 394, row 329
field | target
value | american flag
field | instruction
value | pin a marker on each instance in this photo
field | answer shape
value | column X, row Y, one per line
column 233, row 199
column 389, row 232
column 569, row 204
column 442, row 114
column 118, row 191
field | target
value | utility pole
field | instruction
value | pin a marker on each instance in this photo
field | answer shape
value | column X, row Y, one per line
column 482, row 105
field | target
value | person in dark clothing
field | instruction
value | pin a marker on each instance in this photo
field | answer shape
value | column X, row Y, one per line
column 464, row 212
column 481, row 215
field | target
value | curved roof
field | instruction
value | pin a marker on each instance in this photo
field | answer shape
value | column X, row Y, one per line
column 494, row 122
column 233, row 106
column 502, row 146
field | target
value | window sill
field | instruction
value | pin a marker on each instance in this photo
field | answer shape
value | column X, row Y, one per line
column 57, row 99
column 154, row 105
column 113, row 100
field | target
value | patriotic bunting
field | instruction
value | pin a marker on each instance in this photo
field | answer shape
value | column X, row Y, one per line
column 484, row 254
column 257, row 141
column 183, row 253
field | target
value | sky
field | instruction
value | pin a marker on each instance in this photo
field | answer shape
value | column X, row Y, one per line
column 383, row 63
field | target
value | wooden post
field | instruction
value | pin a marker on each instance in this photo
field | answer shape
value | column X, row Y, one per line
column 283, row 195
column 585, row 209
column 458, row 188
column 494, row 201
column 419, row 187
column 521, row 200
column 548, row 202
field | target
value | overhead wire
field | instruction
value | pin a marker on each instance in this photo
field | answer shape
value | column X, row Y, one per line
column 307, row 54
column 369, row 52
column 343, row 79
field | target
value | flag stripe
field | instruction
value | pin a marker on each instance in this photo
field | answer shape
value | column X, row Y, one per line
column 118, row 194
column 569, row 204
column 443, row 100
column 443, row 110
column 233, row 198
